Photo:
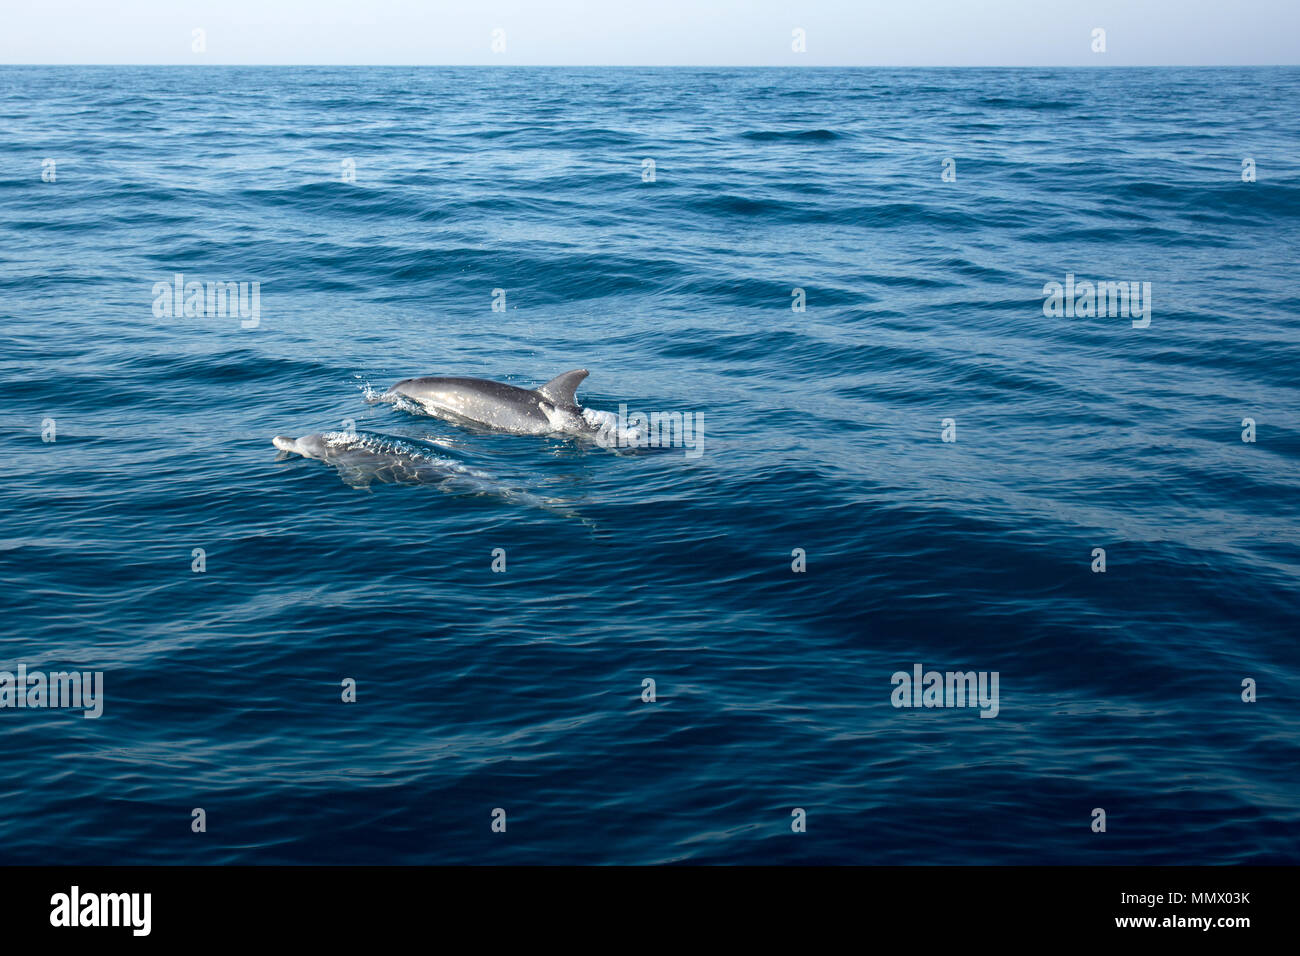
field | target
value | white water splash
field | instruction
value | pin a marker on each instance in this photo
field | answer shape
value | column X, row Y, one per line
column 402, row 403
column 610, row 433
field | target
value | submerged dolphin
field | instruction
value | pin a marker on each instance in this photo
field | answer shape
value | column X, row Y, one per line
column 550, row 408
column 362, row 458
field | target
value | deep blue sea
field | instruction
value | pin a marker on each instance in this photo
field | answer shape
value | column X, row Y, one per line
column 921, row 212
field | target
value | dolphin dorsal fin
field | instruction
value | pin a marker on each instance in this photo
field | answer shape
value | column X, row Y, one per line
column 561, row 389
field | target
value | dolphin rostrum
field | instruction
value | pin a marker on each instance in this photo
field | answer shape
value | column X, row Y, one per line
column 548, row 409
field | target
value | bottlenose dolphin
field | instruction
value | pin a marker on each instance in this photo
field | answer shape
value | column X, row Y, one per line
column 362, row 458
column 550, row 408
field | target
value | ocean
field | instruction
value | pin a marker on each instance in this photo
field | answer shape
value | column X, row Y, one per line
column 911, row 453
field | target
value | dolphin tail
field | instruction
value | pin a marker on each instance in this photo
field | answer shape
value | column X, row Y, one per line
column 562, row 390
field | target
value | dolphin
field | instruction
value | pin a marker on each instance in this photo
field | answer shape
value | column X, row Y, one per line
column 547, row 409
column 362, row 458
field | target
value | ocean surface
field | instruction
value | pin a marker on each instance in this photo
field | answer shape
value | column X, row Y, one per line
column 379, row 210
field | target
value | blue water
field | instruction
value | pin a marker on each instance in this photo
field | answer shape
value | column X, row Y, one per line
column 821, row 431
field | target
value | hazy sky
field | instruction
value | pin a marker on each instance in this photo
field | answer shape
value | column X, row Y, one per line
column 668, row 32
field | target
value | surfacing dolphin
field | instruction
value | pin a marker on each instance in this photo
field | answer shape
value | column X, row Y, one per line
column 548, row 409
column 362, row 458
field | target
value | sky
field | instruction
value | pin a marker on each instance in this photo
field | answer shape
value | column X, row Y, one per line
column 653, row 32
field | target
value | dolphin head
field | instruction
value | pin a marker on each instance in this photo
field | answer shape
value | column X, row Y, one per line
column 309, row 446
